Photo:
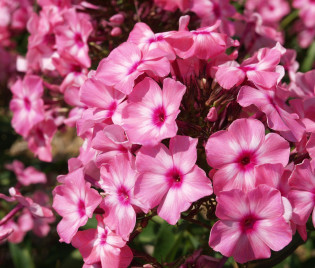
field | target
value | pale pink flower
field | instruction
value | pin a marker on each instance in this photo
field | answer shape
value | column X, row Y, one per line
column 250, row 224
column 236, row 151
column 145, row 38
column 307, row 11
column 172, row 5
column 118, row 181
column 302, row 193
column 106, row 99
column 206, row 42
column 271, row 11
column 26, row 176
column 278, row 116
column 72, row 36
column 262, row 69
column 39, row 139
column 110, row 141
column 75, row 201
column 102, row 245
column 305, row 109
column 150, row 114
column 304, row 85
column 12, row 232
column 27, row 104
column 34, row 208
column 125, row 63
column 169, row 178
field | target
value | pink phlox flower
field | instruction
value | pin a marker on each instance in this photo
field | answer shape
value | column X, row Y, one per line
column 39, row 139
column 245, row 146
column 74, row 115
column 106, row 99
column 12, row 232
column 127, row 62
column 212, row 11
column 150, row 114
column 42, row 40
column 73, row 72
column 301, row 195
column 307, row 11
column 305, row 109
column 111, row 141
column 145, row 38
column 271, row 11
column 26, row 176
column 206, row 42
column 279, row 116
column 27, row 104
column 58, row 3
column 172, row 5
column 276, row 176
column 262, row 69
column 72, row 36
column 250, row 224
column 169, row 178
column 85, row 160
column 75, row 201
column 102, row 245
column 5, row 232
column 304, row 85
column 34, row 208
column 39, row 225
column 118, row 181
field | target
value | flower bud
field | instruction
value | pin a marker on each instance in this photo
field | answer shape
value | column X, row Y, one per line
column 212, row 116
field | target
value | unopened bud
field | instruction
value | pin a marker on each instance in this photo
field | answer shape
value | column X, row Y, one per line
column 212, row 115
column 116, row 31
column 118, row 19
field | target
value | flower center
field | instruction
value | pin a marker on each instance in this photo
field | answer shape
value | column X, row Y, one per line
column 27, row 103
column 245, row 160
column 103, row 238
column 159, row 116
column 81, row 208
column 123, row 195
column 78, row 40
column 174, row 177
column 248, row 223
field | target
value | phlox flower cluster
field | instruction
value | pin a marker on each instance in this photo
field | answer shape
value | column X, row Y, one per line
column 211, row 119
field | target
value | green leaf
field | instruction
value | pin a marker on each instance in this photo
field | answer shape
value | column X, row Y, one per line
column 21, row 256
column 165, row 242
column 309, row 58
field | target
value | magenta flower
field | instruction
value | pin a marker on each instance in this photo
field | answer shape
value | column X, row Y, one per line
column 169, row 177
column 250, row 224
column 102, row 245
column 302, row 192
column 118, row 180
column 150, row 114
column 75, row 201
column 236, row 151
column 27, row 105
column 127, row 62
